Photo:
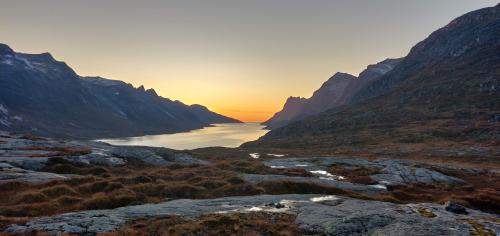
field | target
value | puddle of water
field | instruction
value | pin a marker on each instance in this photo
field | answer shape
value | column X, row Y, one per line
column 276, row 155
column 254, row 209
column 278, row 167
column 254, row 155
column 286, row 206
column 324, row 198
column 381, row 186
column 326, row 175
column 321, row 172
column 289, row 203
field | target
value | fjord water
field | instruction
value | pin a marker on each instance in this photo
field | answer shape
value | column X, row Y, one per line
column 217, row 135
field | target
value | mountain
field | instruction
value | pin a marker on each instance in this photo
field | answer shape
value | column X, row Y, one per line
column 336, row 91
column 210, row 117
column 41, row 95
column 445, row 91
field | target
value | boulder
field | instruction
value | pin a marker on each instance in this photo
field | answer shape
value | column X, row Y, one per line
column 455, row 208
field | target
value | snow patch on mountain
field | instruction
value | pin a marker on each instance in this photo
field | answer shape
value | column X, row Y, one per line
column 4, row 118
column 8, row 62
column 26, row 62
column 101, row 81
column 17, row 118
column 3, row 109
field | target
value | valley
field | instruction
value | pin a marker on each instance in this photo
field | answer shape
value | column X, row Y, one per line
column 410, row 146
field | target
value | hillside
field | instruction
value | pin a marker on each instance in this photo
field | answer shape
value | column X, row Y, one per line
column 336, row 91
column 444, row 92
column 43, row 96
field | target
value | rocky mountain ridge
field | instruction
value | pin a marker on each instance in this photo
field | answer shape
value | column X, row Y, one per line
column 335, row 92
column 445, row 91
column 43, row 96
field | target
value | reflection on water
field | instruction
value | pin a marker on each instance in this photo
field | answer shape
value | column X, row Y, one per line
column 224, row 135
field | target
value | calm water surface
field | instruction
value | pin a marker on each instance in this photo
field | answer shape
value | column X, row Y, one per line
column 223, row 135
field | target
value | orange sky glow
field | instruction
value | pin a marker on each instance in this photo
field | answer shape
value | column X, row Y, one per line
column 239, row 58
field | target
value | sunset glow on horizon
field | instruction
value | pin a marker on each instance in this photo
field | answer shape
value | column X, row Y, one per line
column 242, row 59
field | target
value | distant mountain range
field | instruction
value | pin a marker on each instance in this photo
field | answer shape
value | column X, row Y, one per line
column 447, row 89
column 336, row 91
column 46, row 97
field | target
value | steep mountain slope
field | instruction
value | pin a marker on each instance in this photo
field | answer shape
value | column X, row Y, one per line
column 46, row 97
column 292, row 110
column 371, row 74
column 446, row 91
column 210, row 117
column 335, row 92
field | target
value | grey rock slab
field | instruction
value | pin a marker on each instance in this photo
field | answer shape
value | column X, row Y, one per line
column 186, row 159
column 97, row 221
column 392, row 172
column 154, row 155
column 15, row 150
column 96, row 158
column 359, row 188
column 28, row 163
column 361, row 217
column 11, row 173
column 144, row 154
column 321, row 214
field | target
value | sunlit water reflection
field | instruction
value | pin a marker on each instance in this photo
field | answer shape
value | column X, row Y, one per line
column 223, row 135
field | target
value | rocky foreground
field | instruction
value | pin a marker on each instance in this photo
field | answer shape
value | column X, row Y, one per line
column 86, row 187
column 23, row 157
column 315, row 214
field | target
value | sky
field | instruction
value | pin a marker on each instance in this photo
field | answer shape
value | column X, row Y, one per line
column 238, row 58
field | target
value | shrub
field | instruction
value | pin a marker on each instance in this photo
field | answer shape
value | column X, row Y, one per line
column 212, row 184
column 183, row 191
column 64, row 169
column 58, row 190
column 93, row 187
column 37, row 209
column 81, row 180
column 67, row 200
column 235, row 180
column 32, row 197
column 149, row 189
column 108, row 201
column 12, row 185
column 237, row 190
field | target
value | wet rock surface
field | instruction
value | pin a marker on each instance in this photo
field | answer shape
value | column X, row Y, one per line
column 392, row 172
column 330, row 215
column 359, row 188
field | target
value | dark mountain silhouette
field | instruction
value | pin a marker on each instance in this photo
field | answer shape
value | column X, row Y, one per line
column 46, row 97
column 445, row 90
column 336, row 91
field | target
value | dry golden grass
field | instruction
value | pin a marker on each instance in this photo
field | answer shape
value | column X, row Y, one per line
column 478, row 229
column 58, row 151
column 258, row 223
column 360, row 175
column 102, row 188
